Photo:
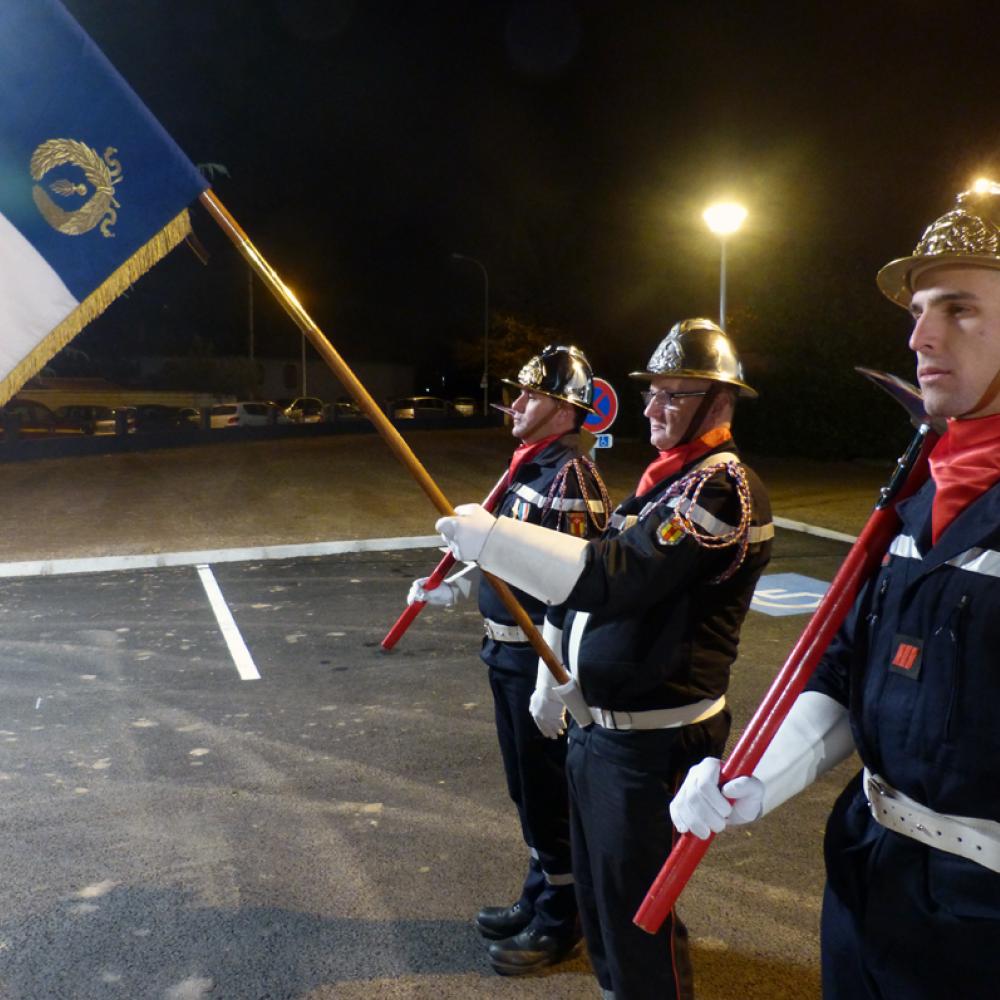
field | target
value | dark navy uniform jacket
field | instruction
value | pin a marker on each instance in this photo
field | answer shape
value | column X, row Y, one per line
column 569, row 510
column 918, row 665
column 649, row 627
column 918, row 661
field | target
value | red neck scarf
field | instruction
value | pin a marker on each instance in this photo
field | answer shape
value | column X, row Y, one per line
column 525, row 451
column 965, row 463
column 674, row 459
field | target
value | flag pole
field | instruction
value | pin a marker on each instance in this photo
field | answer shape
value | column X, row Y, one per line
column 367, row 404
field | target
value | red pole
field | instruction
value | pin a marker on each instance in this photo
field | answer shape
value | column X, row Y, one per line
column 859, row 564
column 410, row 612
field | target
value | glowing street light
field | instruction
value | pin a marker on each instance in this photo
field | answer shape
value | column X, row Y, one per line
column 983, row 185
column 724, row 219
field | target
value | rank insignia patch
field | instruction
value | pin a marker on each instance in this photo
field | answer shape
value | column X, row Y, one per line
column 669, row 532
column 906, row 656
column 577, row 523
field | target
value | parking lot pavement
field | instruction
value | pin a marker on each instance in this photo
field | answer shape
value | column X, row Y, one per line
column 174, row 830
column 303, row 490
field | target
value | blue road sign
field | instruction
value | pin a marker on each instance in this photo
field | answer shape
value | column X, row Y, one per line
column 603, row 440
column 780, row 594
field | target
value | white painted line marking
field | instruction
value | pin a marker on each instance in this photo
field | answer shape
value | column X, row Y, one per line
column 153, row 560
column 227, row 624
column 813, row 529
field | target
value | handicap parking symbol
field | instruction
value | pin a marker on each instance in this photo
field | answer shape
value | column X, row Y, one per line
column 782, row 594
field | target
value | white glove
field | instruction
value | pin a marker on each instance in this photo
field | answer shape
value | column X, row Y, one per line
column 443, row 596
column 702, row 808
column 548, row 711
column 545, row 706
column 466, row 533
column 450, row 590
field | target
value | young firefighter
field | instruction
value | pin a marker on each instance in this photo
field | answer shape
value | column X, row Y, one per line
column 912, row 901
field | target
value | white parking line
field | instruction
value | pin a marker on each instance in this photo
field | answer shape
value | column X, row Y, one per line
column 227, row 624
column 154, row 560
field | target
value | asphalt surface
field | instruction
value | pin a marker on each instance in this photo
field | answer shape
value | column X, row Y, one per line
column 328, row 830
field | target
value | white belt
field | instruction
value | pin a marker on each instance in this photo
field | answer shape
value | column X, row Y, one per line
column 967, row 836
column 503, row 633
column 659, row 718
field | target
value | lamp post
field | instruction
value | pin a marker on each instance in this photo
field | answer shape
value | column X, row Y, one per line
column 486, row 324
column 724, row 219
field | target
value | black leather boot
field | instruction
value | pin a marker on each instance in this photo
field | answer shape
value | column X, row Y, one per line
column 531, row 950
column 498, row 922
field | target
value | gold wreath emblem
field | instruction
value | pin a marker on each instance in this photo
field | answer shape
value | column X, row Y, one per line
column 101, row 174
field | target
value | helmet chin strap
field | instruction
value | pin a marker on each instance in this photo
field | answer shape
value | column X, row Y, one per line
column 987, row 399
column 700, row 413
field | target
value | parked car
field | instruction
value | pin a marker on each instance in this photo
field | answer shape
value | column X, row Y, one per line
column 419, row 408
column 303, row 409
column 250, row 413
column 86, row 418
column 154, row 417
column 32, row 419
column 342, row 409
column 464, row 406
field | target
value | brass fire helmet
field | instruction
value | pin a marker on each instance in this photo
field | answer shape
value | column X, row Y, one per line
column 560, row 372
column 697, row 348
column 968, row 235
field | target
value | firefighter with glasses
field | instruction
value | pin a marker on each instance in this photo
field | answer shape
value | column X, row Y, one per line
column 552, row 485
column 655, row 609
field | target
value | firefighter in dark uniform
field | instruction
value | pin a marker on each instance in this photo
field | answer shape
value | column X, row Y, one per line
column 912, row 901
column 551, row 483
column 656, row 606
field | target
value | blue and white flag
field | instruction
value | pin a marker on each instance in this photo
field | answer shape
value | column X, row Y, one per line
column 92, row 189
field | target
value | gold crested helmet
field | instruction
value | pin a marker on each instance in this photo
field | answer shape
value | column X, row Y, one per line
column 968, row 235
column 697, row 348
column 563, row 373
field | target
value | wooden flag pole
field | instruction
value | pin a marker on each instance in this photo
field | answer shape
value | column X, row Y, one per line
column 367, row 404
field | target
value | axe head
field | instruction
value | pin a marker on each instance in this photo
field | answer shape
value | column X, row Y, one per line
column 907, row 395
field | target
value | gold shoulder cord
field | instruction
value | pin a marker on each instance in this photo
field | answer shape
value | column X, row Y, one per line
column 579, row 466
column 689, row 488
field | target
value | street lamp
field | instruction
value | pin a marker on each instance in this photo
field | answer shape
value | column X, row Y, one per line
column 486, row 324
column 724, row 218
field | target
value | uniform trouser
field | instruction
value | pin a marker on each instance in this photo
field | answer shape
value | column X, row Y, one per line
column 621, row 784
column 902, row 921
column 536, row 780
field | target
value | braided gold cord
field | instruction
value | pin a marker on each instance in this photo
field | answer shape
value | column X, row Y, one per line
column 559, row 484
column 689, row 490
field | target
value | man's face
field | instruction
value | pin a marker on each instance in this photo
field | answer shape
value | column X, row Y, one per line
column 534, row 416
column 956, row 338
column 668, row 420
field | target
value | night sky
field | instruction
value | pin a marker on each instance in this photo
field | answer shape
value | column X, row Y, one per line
column 571, row 147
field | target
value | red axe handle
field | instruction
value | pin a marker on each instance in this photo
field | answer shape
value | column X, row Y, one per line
column 405, row 620
column 859, row 564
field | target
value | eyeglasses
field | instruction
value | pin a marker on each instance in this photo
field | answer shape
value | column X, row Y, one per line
column 664, row 397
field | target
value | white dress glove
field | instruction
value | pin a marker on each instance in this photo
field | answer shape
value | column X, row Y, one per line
column 443, row 596
column 545, row 706
column 702, row 808
column 548, row 711
column 450, row 590
column 466, row 533
column 814, row 737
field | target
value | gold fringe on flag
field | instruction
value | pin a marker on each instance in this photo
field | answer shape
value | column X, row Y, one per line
column 124, row 276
